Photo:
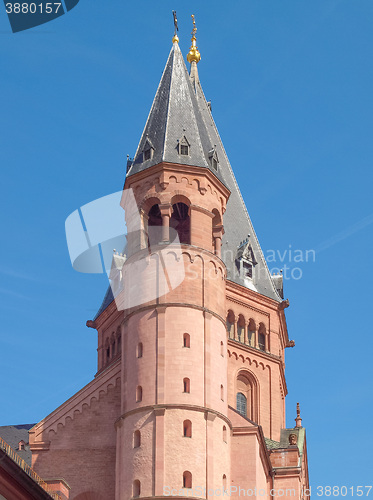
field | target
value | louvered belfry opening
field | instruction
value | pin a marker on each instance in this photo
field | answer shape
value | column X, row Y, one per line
column 180, row 222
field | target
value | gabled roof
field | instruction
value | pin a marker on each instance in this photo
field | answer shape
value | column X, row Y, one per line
column 174, row 115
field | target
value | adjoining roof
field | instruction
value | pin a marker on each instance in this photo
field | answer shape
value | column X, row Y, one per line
column 174, row 117
column 237, row 223
column 13, row 434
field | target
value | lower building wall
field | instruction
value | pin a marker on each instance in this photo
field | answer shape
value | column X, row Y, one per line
column 248, row 474
column 83, row 450
column 287, row 486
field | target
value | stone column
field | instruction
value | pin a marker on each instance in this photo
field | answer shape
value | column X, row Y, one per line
column 217, row 233
column 256, row 336
column 166, row 211
column 144, row 230
column 245, row 335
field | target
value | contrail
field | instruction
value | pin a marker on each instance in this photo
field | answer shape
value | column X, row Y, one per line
column 345, row 234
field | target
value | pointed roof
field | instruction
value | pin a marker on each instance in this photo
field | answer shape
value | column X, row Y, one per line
column 174, row 118
column 237, row 223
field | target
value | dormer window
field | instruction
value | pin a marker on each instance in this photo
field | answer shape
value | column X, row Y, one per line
column 183, row 146
column 245, row 260
column 247, row 269
column 213, row 157
column 147, row 152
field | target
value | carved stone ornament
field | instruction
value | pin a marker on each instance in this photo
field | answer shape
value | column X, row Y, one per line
column 293, row 439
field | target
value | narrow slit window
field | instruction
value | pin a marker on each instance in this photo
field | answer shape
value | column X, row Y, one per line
column 136, row 439
column 136, row 488
column 187, row 428
column 186, row 340
column 138, row 394
column 186, row 384
column 187, row 479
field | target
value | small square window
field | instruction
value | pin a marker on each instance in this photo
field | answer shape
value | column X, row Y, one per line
column 184, row 150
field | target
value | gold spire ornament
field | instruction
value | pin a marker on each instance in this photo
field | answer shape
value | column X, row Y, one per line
column 175, row 38
column 193, row 54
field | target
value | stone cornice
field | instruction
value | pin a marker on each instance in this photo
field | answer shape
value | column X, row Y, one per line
column 166, row 406
column 255, row 296
column 180, row 169
column 175, row 304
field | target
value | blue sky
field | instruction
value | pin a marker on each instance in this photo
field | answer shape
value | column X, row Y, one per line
column 291, row 88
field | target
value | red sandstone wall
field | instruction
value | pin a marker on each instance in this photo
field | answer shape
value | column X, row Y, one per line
column 82, row 451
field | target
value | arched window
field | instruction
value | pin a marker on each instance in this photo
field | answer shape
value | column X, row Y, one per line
column 222, row 393
column 262, row 337
column 241, row 328
column 187, row 479
column 138, row 394
column 119, row 340
column 262, row 341
column 224, row 482
column 247, row 395
column 21, row 445
column 224, row 434
column 180, row 222
column 230, row 324
column 186, row 340
column 251, row 333
column 186, row 384
column 136, row 488
column 107, row 350
column 136, row 439
column 154, row 225
column 187, row 428
column 222, row 348
column 139, row 350
column 241, row 404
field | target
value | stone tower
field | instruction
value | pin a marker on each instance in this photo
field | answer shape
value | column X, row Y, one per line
column 189, row 396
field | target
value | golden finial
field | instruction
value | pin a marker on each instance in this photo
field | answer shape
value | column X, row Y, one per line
column 175, row 37
column 193, row 54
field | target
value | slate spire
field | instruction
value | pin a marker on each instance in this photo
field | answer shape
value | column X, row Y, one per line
column 174, row 120
column 181, row 116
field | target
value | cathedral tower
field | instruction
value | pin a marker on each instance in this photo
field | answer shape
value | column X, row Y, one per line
column 189, row 396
